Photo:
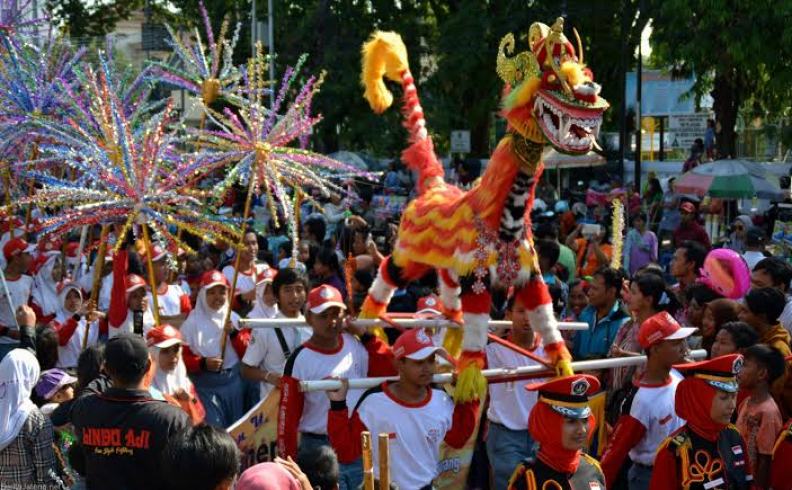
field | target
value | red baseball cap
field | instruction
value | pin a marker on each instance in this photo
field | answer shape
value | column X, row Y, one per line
column 157, row 253
column 266, row 276
column 133, row 282
column 417, row 345
column 213, row 278
column 17, row 246
column 324, row 297
column 163, row 336
column 429, row 305
column 687, row 207
column 659, row 327
column 71, row 250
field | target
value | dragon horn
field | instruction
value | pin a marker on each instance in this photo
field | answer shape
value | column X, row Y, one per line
column 384, row 55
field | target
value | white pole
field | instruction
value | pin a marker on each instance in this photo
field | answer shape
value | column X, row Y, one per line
column 594, row 365
column 402, row 322
column 8, row 297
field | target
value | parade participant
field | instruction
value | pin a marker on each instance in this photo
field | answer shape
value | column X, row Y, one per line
column 759, row 420
column 733, row 338
column 508, row 441
column 416, row 416
column 44, row 297
column 201, row 458
column 269, row 349
column 781, row 470
column 55, row 386
column 122, row 432
column 174, row 303
column 561, row 422
column 249, row 272
column 329, row 352
column 26, row 456
column 604, row 315
column 106, row 285
column 129, row 307
column 73, row 321
column 170, row 374
column 647, row 414
column 707, row 452
column 20, row 286
column 215, row 374
column 266, row 305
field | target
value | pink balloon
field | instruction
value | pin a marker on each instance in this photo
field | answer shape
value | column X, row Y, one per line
column 726, row 273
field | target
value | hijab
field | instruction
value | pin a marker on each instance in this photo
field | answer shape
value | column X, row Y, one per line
column 203, row 328
column 19, row 372
column 693, row 403
column 267, row 476
column 44, row 288
column 260, row 309
column 545, row 426
column 62, row 314
column 169, row 382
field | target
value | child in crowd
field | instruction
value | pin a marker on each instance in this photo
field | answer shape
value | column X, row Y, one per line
column 331, row 351
column 508, row 441
column 733, row 338
column 759, row 420
column 201, row 458
column 266, row 303
column 648, row 415
column 55, row 386
column 265, row 358
column 73, row 321
column 717, row 313
column 707, row 452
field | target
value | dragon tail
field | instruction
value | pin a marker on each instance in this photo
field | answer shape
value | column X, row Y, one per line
column 385, row 55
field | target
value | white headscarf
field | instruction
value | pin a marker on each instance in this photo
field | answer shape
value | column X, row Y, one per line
column 203, row 328
column 19, row 372
column 170, row 382
column 260, row 309
column 62, row 314
column 44, row 293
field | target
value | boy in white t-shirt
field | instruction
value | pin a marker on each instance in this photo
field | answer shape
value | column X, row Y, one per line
column 416, row 416
column 17, row 253
column 331, row 351
column 508, row 441
column 269, row 348
column 648, row 413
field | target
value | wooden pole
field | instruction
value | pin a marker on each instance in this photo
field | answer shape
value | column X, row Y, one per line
column 384, row 461
column 403, row 322
column 232, row 289
column 368, row 463
column 152, row 279
column 97, row 276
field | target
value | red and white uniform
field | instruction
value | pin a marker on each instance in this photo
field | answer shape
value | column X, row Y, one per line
column 266, row 352
column 246, row 280
column 172, row 300
column 510, row 405
column 71, row 331
column 651, row 419
column 44, row 297
column 119, row 317
column 307, row 412
column 415, row 431
column 20, row 290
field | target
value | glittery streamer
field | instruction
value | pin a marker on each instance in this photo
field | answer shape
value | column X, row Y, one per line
column 617, row 230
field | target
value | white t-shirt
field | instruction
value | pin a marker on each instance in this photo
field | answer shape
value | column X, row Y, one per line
column 416, row 432
column 206, row 342
column 653, row 407
column 245, row 282
column 349, row 360
column 170, row 303
column 265, row 351
column 20, row 290
column 510, row 404
column 69, row 353
column 752, row 258
column 129, row 324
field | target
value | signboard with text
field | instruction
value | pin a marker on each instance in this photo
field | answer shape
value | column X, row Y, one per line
column 686, row 128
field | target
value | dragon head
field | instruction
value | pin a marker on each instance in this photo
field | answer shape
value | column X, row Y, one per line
column 551, row 96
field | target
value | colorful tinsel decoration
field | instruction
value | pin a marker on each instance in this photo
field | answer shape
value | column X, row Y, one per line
column 617, row 233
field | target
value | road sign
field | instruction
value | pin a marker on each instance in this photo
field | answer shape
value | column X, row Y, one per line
column 686, row 128
column 460, row 141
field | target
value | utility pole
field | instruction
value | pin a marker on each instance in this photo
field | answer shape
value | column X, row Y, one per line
column 623, row 116
column 271, row 45
column 639, row 90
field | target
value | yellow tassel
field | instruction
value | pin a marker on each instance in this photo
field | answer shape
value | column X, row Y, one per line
column 617, row 232
column 573, row 72
column 384, row 55
column 452, row 341
column 471, row 384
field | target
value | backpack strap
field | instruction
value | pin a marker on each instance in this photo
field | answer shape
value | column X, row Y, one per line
column 282, row 341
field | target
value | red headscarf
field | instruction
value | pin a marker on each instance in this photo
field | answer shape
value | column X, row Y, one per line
column 545, row 426
column 693, row 402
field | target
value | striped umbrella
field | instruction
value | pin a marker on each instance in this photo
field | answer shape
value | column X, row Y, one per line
column 730, row 179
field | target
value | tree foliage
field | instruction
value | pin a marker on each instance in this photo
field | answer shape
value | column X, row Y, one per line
column 86, row 20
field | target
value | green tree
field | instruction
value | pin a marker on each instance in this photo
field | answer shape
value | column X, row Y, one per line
column 84, row 20
column 740, row 51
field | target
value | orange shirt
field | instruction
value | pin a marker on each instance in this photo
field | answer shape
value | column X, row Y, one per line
column 587, row 260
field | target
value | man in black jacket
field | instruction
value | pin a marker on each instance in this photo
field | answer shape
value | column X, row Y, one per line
column 124, row 430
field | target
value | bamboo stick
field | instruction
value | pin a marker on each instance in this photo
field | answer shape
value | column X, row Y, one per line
column 384, row 461
column 525, row 371
column 152, row 279
column 368, row 463
column 96, row 284
column 401, row 322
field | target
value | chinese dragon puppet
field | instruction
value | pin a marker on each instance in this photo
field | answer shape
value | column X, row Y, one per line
column 480, row 238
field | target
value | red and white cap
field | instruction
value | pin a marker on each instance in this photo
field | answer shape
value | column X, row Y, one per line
column 163, row 336
column 417, row 345
column 213, row 278
column 660, row 327
column 50, row 245
column 324, row 297
column 266, row 276
column 157, row 253
column 429, row 305
column 17, row 246
column 133, row 282
column 66, row 284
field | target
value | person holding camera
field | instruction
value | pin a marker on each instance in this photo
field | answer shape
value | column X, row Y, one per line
column 591, row 245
